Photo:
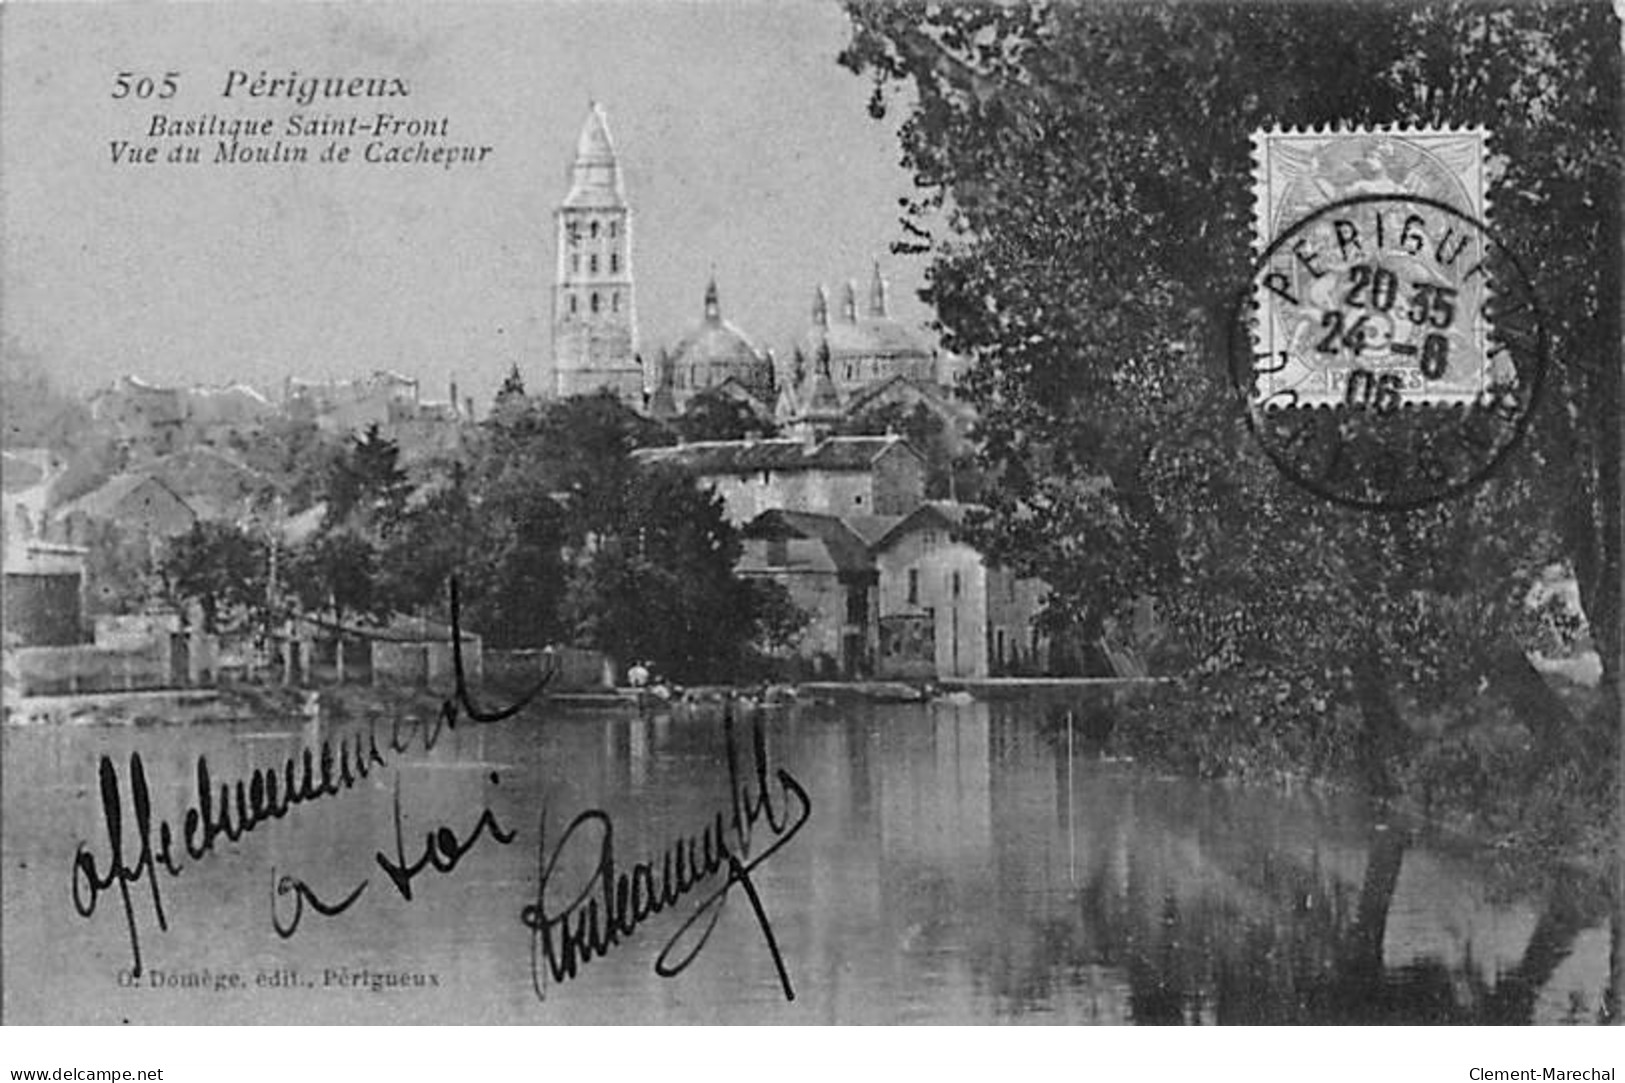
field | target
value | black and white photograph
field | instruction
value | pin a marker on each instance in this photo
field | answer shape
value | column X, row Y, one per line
column 675, row 513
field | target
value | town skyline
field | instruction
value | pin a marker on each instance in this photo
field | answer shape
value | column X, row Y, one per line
column 439, row 276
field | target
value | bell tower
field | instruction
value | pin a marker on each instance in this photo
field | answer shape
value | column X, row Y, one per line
column 594, row 320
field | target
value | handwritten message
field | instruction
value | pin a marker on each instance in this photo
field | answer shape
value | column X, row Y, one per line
column 571, row 920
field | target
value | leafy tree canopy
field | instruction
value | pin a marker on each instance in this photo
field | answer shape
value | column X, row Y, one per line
column 1085, row 201
column 221, row 567
column 366, row 484
column 722, row 417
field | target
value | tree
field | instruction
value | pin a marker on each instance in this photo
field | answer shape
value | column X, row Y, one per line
column 722, row 417
column 515, row 580
column 336, row 571
column 778, row 619
column 366, row 486
column 548, row 484
column 299, row 454
column 222, row 568
column 513, row 387
column 436, row 536
column 1087, row 208
column 659, row 585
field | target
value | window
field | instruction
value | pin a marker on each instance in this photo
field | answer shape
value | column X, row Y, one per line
column 614, row 302
column 914, row 586
column 857, row 606
column 956, row 584
column 614, row 263
column 614, row 230
column 575, row 263
column 592, row 263
column 595, row 300
column 857, row 500
column 593, row 229
column 572, row 304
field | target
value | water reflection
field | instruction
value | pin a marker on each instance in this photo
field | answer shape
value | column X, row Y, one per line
column 963, row 863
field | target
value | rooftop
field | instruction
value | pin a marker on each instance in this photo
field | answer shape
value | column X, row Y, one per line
column 847, row 550
column 754, row 456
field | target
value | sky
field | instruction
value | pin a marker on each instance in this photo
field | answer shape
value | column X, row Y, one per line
column 744, row 147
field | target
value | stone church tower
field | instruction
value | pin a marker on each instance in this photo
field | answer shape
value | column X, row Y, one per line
column 594, row 321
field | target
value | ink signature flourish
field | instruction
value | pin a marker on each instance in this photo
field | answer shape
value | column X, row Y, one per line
column 612, row 902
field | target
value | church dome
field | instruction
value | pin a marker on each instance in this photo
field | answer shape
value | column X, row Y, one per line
column 868, row 346
column 715, row 351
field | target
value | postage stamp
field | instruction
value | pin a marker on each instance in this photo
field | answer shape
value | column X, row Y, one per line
column 1381, row 297
column 1392, row 285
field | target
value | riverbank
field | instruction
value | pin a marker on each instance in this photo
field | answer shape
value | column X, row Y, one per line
column 1468, row 772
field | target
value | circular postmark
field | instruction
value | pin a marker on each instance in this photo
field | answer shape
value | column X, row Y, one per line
column 1388, row 351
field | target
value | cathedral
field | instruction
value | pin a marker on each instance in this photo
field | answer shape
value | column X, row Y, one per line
column 845, row 360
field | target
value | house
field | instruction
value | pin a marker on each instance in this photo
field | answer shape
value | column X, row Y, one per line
column 139, row 503
column 422, row 428
column 898, row 596
column 231, row 416
column 214, row 484
column 129, row 653
column 147, row 419
column 401, row 650
column 346, row 406
column 420, row 652
column 152, row 420
column 944, row 612
column 43, row 603
column 44, row 581
column 25, row 478
column 836, row 475
column 826, row 568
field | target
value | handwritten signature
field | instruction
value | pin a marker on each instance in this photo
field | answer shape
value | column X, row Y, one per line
column 612, row 902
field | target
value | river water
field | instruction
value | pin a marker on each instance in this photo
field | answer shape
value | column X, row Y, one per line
column 957, row 863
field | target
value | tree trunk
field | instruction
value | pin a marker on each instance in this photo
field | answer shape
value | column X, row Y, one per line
column 1363, row 951
column 1569, row 910
column 1382, row 733
column 1539, row 709
column 1613, row 999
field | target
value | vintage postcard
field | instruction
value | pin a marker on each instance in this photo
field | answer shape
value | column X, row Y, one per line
column 738, row 513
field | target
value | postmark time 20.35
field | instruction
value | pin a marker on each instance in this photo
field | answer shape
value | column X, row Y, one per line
column 1388, row 347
